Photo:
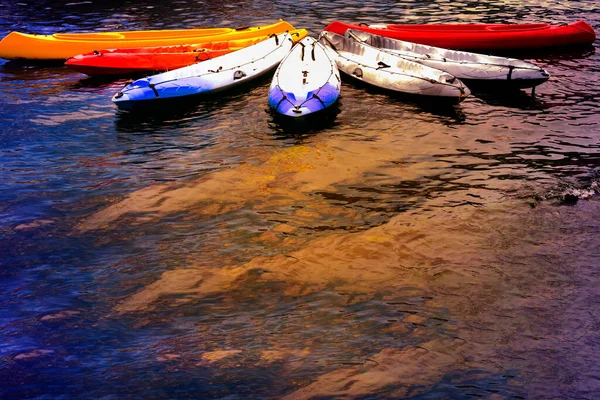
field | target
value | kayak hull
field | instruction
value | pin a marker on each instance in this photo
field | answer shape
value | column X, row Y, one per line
column 218, row 74
column 392, row 73
column 61, row 46
column 306, row 81
column 158, row 59
column 478, row 37
column 472, row 68
column 138, row 60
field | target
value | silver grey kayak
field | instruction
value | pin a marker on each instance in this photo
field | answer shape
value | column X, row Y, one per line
column 391, row 72
column 471, row 67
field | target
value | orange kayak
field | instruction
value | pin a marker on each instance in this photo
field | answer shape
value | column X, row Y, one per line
column 164, row 58
column 61, row 46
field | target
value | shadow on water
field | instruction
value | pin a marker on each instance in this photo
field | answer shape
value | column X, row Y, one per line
column 300, row 127
column 179, row 112
column 175, row 115
column 24, row 63
column 554, row 53
column 430, row 104
column 441, row 109
column 522, row 99
column 102, row 81
column 16, row 70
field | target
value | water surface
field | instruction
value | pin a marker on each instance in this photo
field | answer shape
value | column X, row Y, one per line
column 392, row 250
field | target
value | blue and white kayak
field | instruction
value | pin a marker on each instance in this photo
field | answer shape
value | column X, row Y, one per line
column 209, row 76
column 306, row 81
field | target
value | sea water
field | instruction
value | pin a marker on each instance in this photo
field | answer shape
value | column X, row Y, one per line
column 391, row 249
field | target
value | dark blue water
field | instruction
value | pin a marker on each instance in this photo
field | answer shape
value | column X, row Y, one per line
column 392, row 250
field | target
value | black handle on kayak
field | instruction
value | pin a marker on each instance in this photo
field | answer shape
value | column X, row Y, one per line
column 276, row 38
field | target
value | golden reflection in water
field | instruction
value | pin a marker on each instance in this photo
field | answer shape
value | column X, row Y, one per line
column 462, row 257
column 401, row 368
column 449, row 254
column 292, row 174
column 409, row 251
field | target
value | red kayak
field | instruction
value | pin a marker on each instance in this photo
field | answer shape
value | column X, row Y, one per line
column 148, row 59
column 475, row 37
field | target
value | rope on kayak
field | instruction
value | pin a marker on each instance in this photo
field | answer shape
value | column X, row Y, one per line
column 302, row 52
column 312, row 53
column 276, row 39
column 359, row 73
column 96, row 52
column 532, row 68
column 382, row 65
column 296, row 107
column 202, row 73
column 510, row 71
column 284, row 98
column 319, row 99
column 394, row 51
column 151, row 86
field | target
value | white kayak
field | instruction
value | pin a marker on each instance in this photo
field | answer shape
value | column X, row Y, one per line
column 306, row 81
column 207, row 77
column 471, row 67
column 391, row 72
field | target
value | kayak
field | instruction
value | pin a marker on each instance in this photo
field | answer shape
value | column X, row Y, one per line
column 306, row 81
column 61, row 46
column 468, row 67
column 391, row 72
column 499, row 37
column 207, row 77
column 164, row 58
column 148, row 59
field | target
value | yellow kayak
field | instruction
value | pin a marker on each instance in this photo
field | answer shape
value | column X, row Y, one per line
column 61, row 46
